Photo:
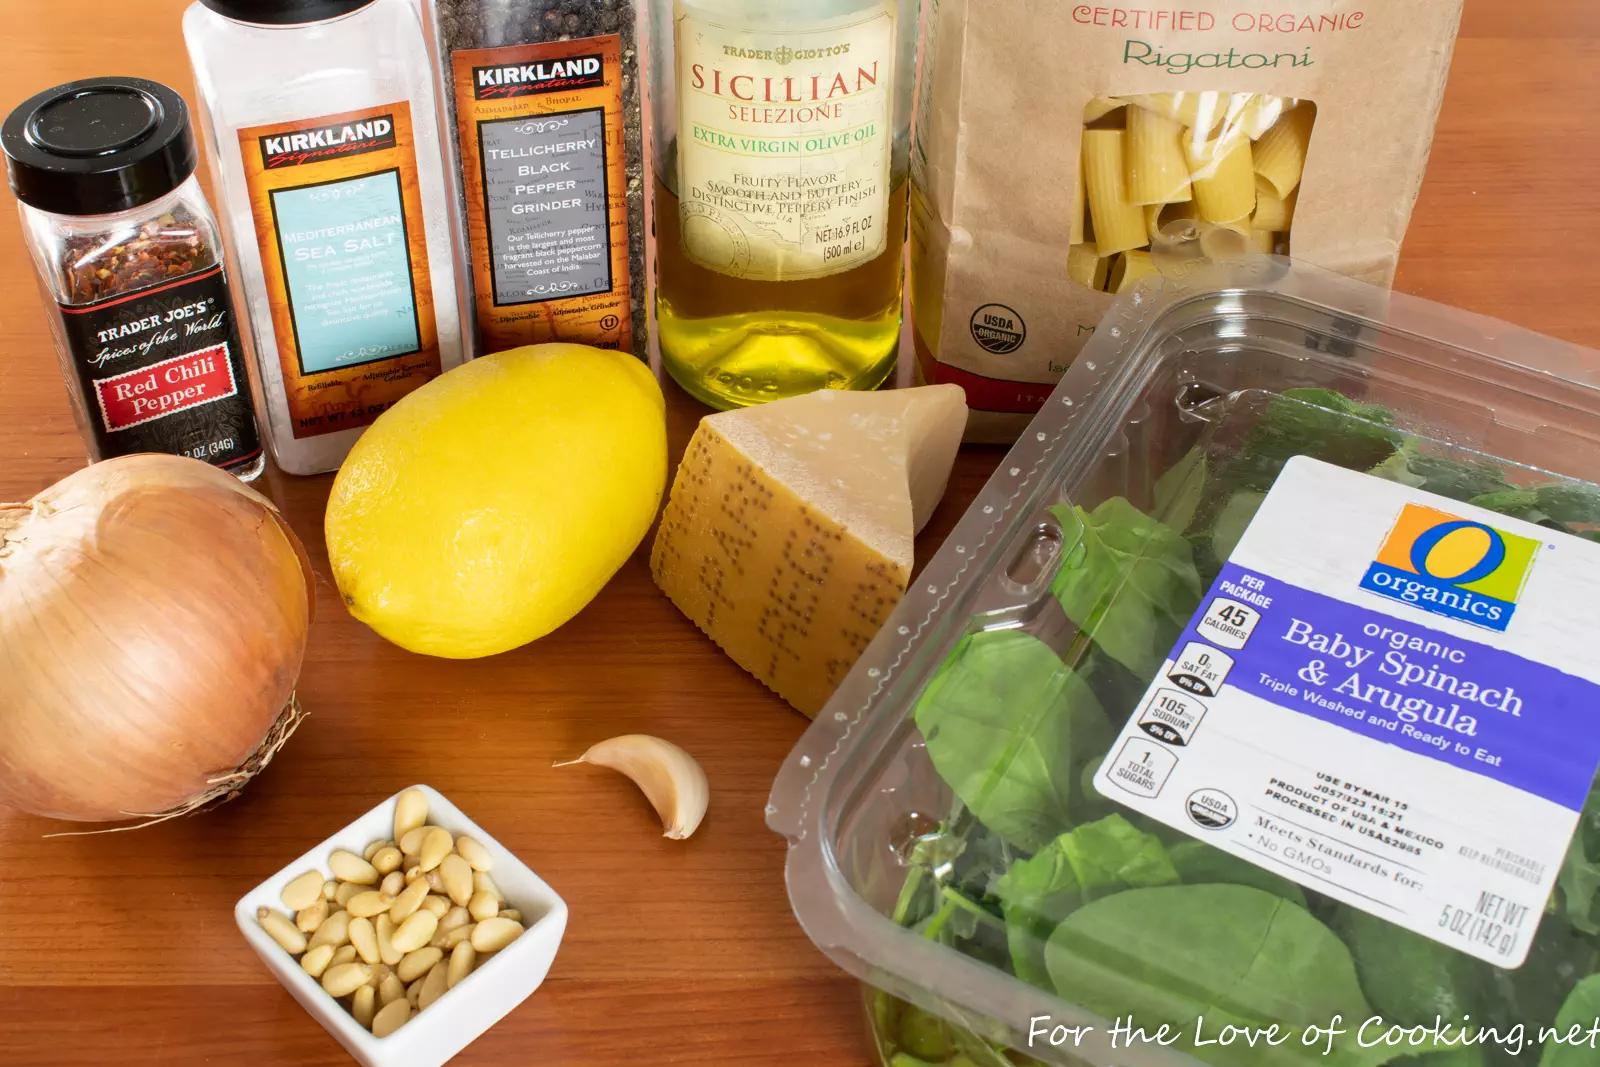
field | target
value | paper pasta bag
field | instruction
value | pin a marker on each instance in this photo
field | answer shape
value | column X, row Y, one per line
column 1064, row 151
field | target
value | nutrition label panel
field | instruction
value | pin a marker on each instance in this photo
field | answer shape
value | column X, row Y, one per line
column 1385, row 705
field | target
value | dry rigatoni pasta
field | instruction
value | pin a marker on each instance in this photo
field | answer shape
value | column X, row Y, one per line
column 1225, row 179
column 1156, row 168
column 1129, row 268
column 1086, row 267
column 1281, row 153
column 1227, row 163
column 1118, row 223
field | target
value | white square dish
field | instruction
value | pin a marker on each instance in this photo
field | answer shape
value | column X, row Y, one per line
column 458, row 1017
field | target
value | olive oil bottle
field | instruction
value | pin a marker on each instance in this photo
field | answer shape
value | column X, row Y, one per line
column 780, row 193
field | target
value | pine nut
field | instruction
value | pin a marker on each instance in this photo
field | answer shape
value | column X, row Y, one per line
column 347, row 892
column 342, row 955
column 455, row 937
column 408, row 901
column 418, row 963
column 372, row 850
column 410, row 811
column 414, row 993
column 281, row 930
column 349, row 867
column 483, row 906
column 434, row 986
column 316, row 960
column 416, row 931
column 365, row 1005
column 394, row 1015
column 456, row 874
column 462, row 960
column 475, row 854
column 511, row 913
column 435, row 881
column 394, row 883
column 302, row 891
column 411, row 841
column 492, row 935
column 386, row 859
column 329, row 889
column 386, row 951
column 436, row 845
column 366, row 905
column 345, row 979
column 453, row 918
column 439, row 906
column 482, row 883
column 335, row 930
column 391, row 990
column 365, row 938
column 310, row 918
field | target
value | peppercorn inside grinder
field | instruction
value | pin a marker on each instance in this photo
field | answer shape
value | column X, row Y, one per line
column 131, row 266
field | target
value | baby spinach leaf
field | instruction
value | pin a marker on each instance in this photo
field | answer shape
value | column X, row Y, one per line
column 1130, row 585
column 998, row 720
column 1198, row 863
column 1095, row 860
column 1233, row 954
column 1582, row 1009
column 1409, row 979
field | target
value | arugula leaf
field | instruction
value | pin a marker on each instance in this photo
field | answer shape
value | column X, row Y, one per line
column 1397, row 468
column 1179, row 491
column 1577, row 895
column 1569, row 502
column 1198, row 863
column 1582, row 1009
column 1093, row 861
column 1231, row 522
column 1320, row 423
column 1130, row 584
column 1409, row 978
column 1455, row 479
column 998, row 720
column 1233, row 954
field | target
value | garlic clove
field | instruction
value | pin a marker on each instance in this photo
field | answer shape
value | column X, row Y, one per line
column 668, row 776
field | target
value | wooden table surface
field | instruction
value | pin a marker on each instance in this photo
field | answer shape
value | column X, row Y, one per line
column 122, row 948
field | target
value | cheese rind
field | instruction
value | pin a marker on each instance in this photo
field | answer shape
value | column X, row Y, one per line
column 788, row 534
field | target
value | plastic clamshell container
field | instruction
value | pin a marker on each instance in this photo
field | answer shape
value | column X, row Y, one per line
column 1176, row 365
column 463, row 1014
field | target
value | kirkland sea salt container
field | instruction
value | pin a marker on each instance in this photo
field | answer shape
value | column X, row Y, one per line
column 1249, row 701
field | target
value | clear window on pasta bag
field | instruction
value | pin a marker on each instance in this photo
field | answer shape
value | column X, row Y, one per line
column 1170, row 180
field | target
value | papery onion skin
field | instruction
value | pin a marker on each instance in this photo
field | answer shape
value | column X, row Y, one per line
column 153, row 620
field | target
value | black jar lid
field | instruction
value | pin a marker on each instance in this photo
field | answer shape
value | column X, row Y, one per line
column 98, row 145
column 284, row 12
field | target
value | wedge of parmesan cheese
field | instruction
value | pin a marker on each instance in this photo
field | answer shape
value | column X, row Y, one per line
column 788, row 534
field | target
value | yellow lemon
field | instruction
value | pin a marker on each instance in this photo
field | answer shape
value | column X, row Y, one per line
column 488, row 507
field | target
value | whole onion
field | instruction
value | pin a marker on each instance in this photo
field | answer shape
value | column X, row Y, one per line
column 153, row 619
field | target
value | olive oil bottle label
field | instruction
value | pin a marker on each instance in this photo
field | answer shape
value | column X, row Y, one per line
column 338, row 215
column 542, row 168
column 783, row 141
column 1386, row 697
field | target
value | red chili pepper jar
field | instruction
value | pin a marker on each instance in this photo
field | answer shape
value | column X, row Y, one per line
column 131, row 265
